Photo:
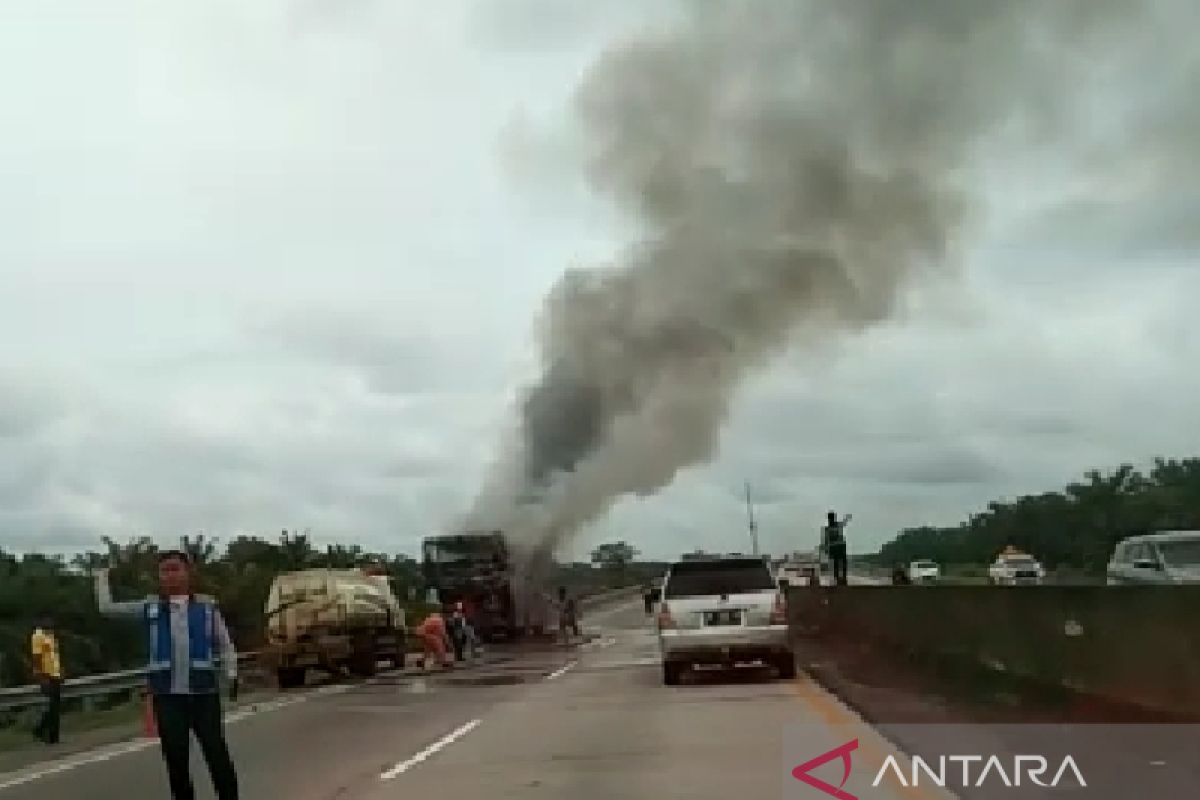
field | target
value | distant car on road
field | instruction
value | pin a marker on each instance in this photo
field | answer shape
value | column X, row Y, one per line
column 1167, row 558
column 924, row 571
column 1014, row 568
column 722, row 611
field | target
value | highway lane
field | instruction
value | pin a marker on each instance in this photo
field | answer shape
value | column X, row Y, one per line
column 592, row 723
column 607, row 728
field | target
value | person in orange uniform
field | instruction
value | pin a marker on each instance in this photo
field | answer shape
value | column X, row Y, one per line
column 433, row 636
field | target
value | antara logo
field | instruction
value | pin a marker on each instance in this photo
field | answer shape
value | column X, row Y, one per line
column 801, row 773
column 1033, row 767
column 922, row 773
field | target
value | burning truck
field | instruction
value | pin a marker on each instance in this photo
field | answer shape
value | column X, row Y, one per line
column 504, row 592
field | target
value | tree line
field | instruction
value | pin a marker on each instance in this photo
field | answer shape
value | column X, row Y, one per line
column 1076, row 527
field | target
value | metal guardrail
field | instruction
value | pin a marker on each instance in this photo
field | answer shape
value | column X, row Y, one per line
column 88, row 686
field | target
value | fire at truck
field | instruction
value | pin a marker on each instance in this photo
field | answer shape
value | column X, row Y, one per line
column 501, row 594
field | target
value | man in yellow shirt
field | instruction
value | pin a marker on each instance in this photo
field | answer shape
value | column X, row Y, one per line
column 47, row 670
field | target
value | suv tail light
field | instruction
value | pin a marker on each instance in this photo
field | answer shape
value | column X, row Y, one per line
column 779, row 612
column 665, row 620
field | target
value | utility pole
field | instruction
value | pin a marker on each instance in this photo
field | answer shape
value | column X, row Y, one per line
column 750, row 519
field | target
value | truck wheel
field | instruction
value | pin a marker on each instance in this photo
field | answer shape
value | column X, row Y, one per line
column 786, row 665
column 364, row 665
column 290, row 677
column 672, row 671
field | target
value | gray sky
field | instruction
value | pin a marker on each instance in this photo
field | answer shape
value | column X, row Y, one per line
column 277, row 264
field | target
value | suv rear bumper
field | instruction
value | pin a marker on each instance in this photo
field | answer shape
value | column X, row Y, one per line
column 724, row 645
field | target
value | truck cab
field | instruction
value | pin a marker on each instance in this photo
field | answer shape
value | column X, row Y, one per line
column 474, row 569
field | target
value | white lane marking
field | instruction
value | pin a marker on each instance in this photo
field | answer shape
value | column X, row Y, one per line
column 558, row 673
column 125, row 748
column 644, row 661
column 64, row 766
column 445, row 741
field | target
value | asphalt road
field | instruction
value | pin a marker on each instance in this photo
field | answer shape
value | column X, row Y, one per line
column 593, row 722
column 596, row 723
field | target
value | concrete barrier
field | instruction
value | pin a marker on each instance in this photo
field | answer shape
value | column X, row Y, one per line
column 1138, row 645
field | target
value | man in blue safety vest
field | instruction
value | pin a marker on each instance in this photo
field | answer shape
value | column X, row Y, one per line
column 188, row 643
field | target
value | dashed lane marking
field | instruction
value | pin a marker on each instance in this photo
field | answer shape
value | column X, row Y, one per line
column 558, row 673
column 440, row 744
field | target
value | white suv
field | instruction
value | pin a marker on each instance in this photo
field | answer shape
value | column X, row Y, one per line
column 722, row 611
column 1171, row 557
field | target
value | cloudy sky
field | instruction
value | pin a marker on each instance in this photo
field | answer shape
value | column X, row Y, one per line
column 277, row 264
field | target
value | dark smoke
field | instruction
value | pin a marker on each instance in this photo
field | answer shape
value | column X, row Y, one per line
column 794, row 165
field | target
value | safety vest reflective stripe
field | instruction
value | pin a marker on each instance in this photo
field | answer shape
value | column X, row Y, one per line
column 157, row 662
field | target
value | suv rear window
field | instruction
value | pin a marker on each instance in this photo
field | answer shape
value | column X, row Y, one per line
column 1181, row 552
column 731, row 576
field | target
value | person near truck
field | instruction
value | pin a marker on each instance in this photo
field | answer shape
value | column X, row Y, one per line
column 47, row 671
column 833, row 536
column 568, row 615
column 462, row 633
column 189, row 643
column 435, row 641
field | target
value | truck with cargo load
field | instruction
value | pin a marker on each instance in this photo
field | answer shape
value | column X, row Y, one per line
column 333, row 620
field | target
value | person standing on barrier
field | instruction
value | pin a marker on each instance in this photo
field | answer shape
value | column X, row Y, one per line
column 188, row 644
column 834, row 537
column 47, row 671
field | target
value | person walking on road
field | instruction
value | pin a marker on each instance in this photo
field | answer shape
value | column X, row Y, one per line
column 434, row 640
column 47, row 671
column 467, row 640
column 834, row 537
column 459, row 630
column 568, row 615
column 188, row 644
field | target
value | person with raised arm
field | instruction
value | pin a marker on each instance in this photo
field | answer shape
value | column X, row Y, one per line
column 188, row 644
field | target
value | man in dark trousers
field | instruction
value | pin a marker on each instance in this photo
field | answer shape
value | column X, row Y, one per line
column 47, row 671
column 834, row 536
column 188, row 645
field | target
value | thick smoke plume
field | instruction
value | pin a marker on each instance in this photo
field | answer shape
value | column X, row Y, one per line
column 794, row 166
